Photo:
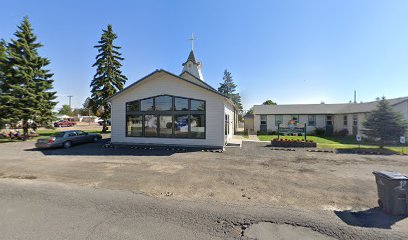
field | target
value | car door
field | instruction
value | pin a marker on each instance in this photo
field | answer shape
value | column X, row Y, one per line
column 72, row 136
column 82, row 137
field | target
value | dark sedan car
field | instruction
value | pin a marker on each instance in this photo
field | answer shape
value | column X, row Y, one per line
column 67, row 138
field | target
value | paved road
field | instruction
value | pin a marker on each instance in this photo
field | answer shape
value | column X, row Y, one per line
column 32, row 209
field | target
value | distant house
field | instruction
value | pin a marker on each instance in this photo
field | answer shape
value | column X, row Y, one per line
column 330, row 117
column 163, row 108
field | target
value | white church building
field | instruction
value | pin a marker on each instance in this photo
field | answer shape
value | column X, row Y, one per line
column 167, row 109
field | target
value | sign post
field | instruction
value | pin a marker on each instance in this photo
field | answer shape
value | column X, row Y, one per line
column 402, row 141
column 358, row 138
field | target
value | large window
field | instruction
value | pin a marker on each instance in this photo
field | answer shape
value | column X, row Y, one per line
column 134, row 126
column 146, row 104
column 166, row 125
column 164, row 103
column 166, row 116
column 150, row 125
column 180, row 104
column 197, row 105
column 197, row 125
column 181, row 126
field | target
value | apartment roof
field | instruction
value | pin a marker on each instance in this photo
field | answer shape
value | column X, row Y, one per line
column 338, row 108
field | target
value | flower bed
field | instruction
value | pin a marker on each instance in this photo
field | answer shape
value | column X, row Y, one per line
column 293, row 143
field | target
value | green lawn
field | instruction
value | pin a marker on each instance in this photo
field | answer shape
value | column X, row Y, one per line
column 47, row 133
column 348, row 142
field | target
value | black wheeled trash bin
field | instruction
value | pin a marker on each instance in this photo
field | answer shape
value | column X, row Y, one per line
column 392, row 192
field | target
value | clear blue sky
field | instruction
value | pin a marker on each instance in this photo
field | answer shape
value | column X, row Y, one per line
column 287, row 51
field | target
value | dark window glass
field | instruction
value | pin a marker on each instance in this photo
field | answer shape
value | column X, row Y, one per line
column 59, row 135
column 146, row 104
column 197, row 105
column 164, row 103
column 181, row 125
column 133, row 106
column 81, row 133
column 312, row 120
column 166, row 125
column 263, row 119
column 134, row 126
column 197, row 126
column 345, row 120
column 181, row 104
column 150, row 125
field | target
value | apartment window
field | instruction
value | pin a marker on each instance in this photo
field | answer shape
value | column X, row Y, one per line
column 263, row 119
column 166, row 116
column 345, row 120
column 311, row 120
column 329, row 120
column 355, row 119
column 278, row 119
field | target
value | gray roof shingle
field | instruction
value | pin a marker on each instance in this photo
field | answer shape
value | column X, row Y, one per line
column 338, row 108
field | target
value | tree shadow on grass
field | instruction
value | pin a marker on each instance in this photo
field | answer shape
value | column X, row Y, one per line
column 98, row 149
column 371, row 218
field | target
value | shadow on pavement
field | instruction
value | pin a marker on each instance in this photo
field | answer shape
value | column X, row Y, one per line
column 98, row 149
column 371, row 218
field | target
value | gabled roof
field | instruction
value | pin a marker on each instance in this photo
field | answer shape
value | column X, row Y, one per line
column 191, row 57
column 207, row 87
column 339, row 108
column 201, row 81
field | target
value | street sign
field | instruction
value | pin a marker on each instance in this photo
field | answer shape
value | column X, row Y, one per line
column 402, row 140
column 358, row 138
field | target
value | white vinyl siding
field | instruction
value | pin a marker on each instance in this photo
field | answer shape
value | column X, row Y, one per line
column 160, row 84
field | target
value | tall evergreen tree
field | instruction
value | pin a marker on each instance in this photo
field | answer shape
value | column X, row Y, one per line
column 228, row 88
column 26, row 90
column 108, row 78
column 384, row 123
column 3, row 61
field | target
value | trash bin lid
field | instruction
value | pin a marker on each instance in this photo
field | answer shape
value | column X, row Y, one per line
column 391, row 175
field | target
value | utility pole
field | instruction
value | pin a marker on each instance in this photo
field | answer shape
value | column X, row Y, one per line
column 70, row 97
column 355, row 96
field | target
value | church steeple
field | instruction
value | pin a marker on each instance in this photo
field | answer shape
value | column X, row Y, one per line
column 192, row 65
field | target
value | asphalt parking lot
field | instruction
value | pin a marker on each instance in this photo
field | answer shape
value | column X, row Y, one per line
column 341, row 184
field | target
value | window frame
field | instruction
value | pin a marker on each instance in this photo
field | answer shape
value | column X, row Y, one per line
column 172, row 113
column 276, row 119
column 314, row 120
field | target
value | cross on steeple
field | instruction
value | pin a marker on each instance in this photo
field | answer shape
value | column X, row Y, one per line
column 192, row 39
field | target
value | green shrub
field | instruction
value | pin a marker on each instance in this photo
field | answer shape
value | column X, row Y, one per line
column 319, row 131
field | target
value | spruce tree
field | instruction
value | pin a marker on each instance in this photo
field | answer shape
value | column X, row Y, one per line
column 228, row 88
column 108, row 78
column 384, row 124
column 3, row 61
column 26, row 89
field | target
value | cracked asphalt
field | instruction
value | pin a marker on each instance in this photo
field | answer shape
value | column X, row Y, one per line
column 89, row 192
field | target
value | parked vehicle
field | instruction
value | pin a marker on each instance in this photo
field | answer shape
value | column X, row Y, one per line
column 64, row 123
column 67, row 138
column 108, row 122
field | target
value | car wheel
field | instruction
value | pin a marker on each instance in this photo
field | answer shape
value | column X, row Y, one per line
column 95, row 139
column 67, row 144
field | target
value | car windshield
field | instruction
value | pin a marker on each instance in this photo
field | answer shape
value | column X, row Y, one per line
column 59, row 135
